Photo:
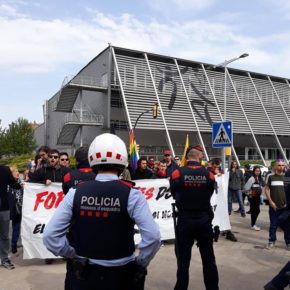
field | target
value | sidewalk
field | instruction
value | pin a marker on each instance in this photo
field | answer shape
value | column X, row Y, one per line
column 245, row 264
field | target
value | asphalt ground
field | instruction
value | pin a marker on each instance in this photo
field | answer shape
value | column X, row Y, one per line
column 245, row 264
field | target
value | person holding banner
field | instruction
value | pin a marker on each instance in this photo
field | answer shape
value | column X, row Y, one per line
column 101, row 214
column 192, row 186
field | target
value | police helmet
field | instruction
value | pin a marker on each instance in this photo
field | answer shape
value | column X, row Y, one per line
column 107, row 149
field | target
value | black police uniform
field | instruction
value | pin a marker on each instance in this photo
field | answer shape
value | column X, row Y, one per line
column 281, row 280
column 104, row 234
column 192, row 187
column 71, row 180
column 76, row 176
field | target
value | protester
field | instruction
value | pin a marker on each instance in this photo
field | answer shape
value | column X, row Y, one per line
column 192, row 187
column 253, row 189
column 236, row 184
column 171, row 165
column 42, row 159
column 161, row 170
column 52, row 172
column 151, row 164
column 177, row 160
column 276, row 196
column 142, row 172
column 6, row 178
column 64, row 159
column 103, row 249
column 15, row 204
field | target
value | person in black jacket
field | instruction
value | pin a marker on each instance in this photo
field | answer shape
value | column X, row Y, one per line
column 142, row 172
column 192, row 187
column 6, row 178
column 53, row 172
column 81, row 174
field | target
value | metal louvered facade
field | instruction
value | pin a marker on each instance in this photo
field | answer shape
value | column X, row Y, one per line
column 190, row 95
column 258, row 105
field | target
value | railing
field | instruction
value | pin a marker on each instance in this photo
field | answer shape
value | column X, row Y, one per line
column 90, row 81
column 83, row 117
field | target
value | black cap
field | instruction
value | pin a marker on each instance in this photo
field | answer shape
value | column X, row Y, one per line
column 81, row 154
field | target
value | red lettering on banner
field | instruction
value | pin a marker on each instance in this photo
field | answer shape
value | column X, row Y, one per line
column 148, row 193
column 51, row 199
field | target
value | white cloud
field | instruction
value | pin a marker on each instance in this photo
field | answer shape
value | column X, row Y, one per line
column 9, row 11
column 181, row 5
column 29, row 45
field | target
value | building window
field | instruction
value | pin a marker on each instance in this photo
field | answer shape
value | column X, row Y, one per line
column 116, row 102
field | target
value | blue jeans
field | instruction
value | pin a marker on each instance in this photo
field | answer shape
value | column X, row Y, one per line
column 239, row 196
column 274, row 218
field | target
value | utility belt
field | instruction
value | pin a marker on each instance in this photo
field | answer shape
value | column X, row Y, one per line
column 135, row 272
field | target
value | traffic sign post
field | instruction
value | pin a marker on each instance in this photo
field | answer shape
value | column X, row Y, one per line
column 222, row 134
column 222, row 137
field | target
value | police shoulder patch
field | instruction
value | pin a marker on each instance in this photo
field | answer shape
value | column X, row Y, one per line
column 127, row 182
column 211, row 176
column 66, row 178
column 175, row 174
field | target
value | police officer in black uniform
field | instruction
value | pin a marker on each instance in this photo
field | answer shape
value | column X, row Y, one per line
column 101, row 214
column 192, row 187
column 83, row 172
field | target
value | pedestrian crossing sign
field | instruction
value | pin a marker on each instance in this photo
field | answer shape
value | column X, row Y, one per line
column 222, row 134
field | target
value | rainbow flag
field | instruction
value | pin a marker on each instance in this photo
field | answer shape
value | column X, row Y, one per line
column 133, row 151
column 183, row 160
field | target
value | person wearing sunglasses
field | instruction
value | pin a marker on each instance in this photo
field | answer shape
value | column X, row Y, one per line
column 52, row 173
column 177, row 160
column 64, row 159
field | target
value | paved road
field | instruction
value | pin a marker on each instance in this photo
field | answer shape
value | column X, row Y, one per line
column 245, row 264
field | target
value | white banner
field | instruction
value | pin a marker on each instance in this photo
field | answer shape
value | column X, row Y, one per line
column 40, row 202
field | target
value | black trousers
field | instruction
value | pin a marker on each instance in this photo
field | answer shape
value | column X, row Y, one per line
column 255, row 209
column 281, row 281
column 108, row 278
column 195, row 227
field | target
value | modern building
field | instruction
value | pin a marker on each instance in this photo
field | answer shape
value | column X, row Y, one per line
column 117, row 90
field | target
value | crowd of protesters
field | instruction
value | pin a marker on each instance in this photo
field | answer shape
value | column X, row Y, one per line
column 50, row 165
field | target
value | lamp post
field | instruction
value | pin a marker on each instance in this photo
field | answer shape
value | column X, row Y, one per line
column 224, row 64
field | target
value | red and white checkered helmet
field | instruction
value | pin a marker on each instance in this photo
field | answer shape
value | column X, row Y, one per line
column 107, row 149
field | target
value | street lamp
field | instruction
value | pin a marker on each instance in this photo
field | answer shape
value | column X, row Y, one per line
column 224, row 64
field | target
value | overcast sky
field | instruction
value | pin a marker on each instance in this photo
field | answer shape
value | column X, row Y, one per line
column 42, row 42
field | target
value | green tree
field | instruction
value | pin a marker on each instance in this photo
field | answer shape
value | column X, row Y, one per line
column 18, row 138
column 3, row 148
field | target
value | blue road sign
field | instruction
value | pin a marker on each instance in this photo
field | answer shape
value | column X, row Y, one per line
column 222, row 134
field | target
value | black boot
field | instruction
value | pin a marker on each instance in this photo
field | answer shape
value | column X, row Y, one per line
column 230, row 236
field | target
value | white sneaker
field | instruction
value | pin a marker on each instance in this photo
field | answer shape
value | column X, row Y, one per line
column 256, row 228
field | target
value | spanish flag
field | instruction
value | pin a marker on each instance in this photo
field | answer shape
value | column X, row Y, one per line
column 183, row 160
column 133, row 151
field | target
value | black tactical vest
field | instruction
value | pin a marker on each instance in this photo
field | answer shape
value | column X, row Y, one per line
column 101, row 226
column 195, row 189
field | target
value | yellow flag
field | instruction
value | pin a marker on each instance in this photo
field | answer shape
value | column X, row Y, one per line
column 183, row 160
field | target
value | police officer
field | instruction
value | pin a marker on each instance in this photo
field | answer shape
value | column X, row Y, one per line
column 82, row 173
column 102, row 214
column 192, row 187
